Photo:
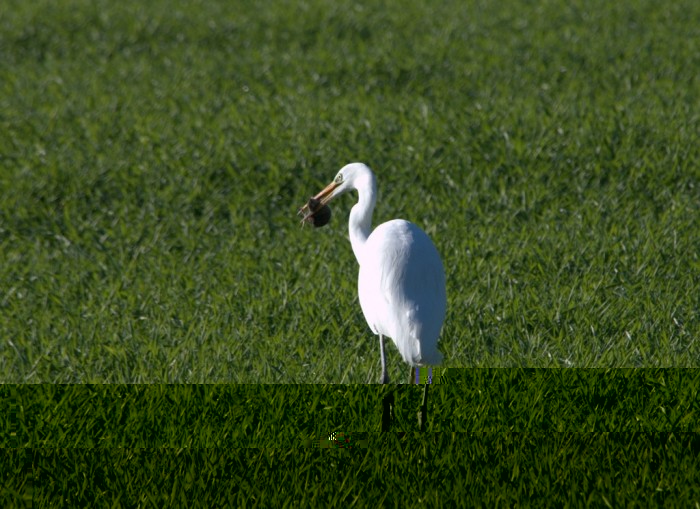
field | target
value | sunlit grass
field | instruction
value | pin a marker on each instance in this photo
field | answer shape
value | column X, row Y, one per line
column 153, row 156
column 153, row 159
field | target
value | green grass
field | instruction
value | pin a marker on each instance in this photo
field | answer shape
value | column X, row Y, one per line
column 496, row 437
column 297, row 415
column 448, row 469
column 152, row 158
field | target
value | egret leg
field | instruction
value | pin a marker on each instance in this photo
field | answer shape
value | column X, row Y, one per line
column 423, row 412
column 388, row 409
column 385, row 376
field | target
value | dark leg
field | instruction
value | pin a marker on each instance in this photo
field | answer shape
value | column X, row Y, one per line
column 388, row 409
column 423, row 412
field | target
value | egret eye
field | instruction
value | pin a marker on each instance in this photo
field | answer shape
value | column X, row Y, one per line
column 339, row 178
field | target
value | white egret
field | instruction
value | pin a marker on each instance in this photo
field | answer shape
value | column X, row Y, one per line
column 401, row 282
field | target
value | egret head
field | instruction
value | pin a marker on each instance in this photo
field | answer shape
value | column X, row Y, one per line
column 316, row 210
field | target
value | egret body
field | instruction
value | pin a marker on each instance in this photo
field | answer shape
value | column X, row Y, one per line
column 401, row 282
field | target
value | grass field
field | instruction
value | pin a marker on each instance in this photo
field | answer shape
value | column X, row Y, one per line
column 487, row 470
column 153, row 157
column 496, row 437
column 294, row 416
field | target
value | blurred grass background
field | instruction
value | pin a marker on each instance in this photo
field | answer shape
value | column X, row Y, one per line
column 153, row 156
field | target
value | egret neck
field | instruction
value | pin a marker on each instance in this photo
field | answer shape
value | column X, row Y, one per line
column 360, row 224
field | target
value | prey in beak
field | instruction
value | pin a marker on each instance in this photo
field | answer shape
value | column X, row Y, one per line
column 316, row 211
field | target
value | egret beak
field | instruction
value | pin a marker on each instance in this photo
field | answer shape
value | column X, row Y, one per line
column 317, row 202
